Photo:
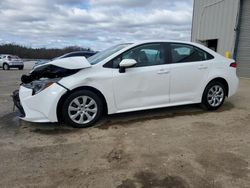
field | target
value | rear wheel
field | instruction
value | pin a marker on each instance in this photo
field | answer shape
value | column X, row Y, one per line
column 214, row 95
column 20, row 68
column 6, row 66
column 82, row 109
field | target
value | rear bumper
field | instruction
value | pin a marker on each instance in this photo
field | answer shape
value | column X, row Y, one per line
column 41, row 107
column 16, row 65
column 233, row 86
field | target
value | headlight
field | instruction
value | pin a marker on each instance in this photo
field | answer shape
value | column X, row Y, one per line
column 38, row 85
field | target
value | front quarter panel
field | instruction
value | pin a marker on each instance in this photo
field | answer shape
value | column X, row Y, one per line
column 97, row 77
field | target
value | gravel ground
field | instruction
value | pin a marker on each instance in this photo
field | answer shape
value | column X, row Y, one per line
column 179, row 147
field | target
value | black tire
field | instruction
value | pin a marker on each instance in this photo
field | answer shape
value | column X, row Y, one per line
column 20, row 68
column 69, row 102
column 6, row 66
column 207, row 98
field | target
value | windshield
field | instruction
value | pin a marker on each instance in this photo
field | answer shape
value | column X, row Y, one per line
column 105, row 53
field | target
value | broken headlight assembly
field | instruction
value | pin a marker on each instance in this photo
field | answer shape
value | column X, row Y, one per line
column 39, row 85
column 44, row 76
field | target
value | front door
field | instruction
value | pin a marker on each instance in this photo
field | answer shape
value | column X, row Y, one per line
column 147, row 84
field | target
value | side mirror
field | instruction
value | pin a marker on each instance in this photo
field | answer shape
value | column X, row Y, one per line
column 126, row 63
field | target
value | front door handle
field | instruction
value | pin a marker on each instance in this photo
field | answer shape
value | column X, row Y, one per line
column 202, row 67
column 163, row 71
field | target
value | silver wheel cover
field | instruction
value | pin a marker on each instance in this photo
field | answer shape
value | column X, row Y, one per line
column 215, row 95
column 82, row 109
column 5, row 66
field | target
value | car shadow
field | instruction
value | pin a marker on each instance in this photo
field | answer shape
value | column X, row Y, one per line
column 130, row 118
column 11, row 122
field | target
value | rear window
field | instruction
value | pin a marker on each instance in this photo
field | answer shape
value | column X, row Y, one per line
column 14, row 57
column 182, row 53
column 10, row 57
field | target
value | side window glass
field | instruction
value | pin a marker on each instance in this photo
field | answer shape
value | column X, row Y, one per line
column 116, row 62
column 182, row 53
column 145, row 55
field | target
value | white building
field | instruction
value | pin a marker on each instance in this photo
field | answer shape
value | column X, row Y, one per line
column 224, row 25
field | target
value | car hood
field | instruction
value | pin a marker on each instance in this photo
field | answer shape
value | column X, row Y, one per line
column 77, row 62
column 57, row 69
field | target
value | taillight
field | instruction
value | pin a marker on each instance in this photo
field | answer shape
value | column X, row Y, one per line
column 234, row 65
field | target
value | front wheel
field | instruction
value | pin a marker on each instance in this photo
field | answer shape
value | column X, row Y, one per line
column 6, row 66
column 82, row 109
column 214, row 95
column 20, row 68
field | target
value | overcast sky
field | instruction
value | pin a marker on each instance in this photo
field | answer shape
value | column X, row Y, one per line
column 93, row 23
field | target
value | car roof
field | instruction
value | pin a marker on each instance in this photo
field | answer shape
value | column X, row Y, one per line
column 157, row 40
column 173, row 41
column 136, row 43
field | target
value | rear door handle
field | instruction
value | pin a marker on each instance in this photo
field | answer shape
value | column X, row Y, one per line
column 163, row 71
column 202, row 67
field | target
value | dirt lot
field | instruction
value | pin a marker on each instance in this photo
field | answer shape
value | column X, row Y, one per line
column 177, row 147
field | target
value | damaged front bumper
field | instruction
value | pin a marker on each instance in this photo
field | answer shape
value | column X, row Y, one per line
column 40, row 92
column 41, row 107
column 17, row 103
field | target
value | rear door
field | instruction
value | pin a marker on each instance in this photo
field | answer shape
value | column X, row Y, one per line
column 189, row 69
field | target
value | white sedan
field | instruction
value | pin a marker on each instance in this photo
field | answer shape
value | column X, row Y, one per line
column 125, row 78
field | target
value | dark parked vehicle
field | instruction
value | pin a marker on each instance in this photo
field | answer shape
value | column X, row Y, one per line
column 86, row 54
